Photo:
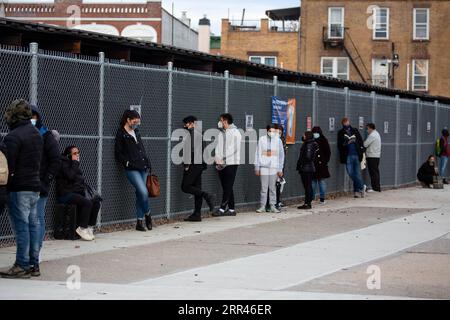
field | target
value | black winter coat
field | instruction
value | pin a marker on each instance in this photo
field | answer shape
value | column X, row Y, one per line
column 24, row 150
column 70, row 178
column 426, row 173
column 50, row 163
column 129, row 153
column 342, row 144
column 322, row 159
column 308, row 153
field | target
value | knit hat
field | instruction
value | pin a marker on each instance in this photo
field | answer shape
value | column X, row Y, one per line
column 17, row 111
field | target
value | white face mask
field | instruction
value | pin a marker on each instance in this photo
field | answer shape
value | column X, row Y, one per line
column 33, row 122
column 220, row 125
column 271, row 134
column 316, row 135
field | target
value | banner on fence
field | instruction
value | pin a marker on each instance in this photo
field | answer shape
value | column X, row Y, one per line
column 284, row 112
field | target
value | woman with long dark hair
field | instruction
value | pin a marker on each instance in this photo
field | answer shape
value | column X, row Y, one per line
column 321, row 164
column 306, row 168
column 130, row 152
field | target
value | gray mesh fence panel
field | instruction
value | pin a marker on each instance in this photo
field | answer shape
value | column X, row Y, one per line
column 408, row 141
column 428, row 137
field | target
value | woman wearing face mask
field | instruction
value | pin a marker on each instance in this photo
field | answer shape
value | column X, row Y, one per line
column 306, row 168
column 427, row 172
column 130, row 152
column 71, row 189
column 321, row 164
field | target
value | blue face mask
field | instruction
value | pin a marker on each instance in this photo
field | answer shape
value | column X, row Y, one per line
column 316, row 135
column 135, row 126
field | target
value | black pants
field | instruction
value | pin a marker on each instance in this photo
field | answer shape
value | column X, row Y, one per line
column 374, row 172
column 192, row 184
column 427, row 179
column 227, row 177
column 307, row 178
column 87, row 210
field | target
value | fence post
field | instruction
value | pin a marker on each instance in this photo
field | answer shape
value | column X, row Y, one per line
column 346, row 108
column 397, row 139
column 101, row 104
column 275, row 86
column 418, row 135
column 227, row 90
column 169, row 142
column 436, row 119
column 34, row 48
column 314, row 103
column 373, row 94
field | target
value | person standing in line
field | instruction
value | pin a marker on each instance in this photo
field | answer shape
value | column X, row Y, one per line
column 130, row 152
column 24, row 147
column 269, row 161
column 50, row 165
column 321, row 164
column 351, row 151
column 373, row 155
column 306, row 167
column 193, row 167
column 227, row 158
column 444, row 154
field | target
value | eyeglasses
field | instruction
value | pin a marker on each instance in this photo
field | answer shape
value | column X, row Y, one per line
column 76, row 153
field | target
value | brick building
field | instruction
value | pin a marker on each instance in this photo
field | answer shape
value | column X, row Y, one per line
column 399, row 43
column 273, row 41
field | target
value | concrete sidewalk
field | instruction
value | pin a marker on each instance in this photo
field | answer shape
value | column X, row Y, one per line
column 293, row 255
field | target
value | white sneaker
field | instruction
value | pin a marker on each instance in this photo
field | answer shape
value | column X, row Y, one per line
column 261, row 210
column 370, row 191
column 84, row 234
column 273, row 209
column 91, row 232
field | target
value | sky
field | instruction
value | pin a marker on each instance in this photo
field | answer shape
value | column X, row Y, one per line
column 215, row 10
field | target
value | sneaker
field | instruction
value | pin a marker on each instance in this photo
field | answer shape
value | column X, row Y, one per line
column 261, row 209
column 305, row 207
column 370, row 190
column 322, row 201
column 356, row 195
column 16, row 272
column 84, row 233
column 219, row 213
column 278, row 206
column 35, row 272
column 444, row 181
column 230, row 213
column 273, row 209
column 194, row 218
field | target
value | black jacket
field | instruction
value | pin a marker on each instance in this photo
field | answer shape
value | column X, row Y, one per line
column 426, row 173
column 190, row 149
column 308, row 153
column 70, row 178
column 342, row 144
column 50, row 163
column 129, row 153
column 24, row 145
column 322, row 159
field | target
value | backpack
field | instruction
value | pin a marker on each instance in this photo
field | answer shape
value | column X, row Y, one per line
column 438, row 148
column 4, row 172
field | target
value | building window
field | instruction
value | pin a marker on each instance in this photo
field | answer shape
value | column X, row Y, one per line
column 269, row 61
column 336, row 23
column 421, row 24
column 420, row 75
column 380, row 73
column 381, row 23
column 335, row 67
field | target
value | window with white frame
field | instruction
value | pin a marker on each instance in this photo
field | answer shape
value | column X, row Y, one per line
column 380, row 72
column 421, row 24
column 420, row 75
column 380, row 23
column 336, row 23
column 335, row 67
column 269, row 61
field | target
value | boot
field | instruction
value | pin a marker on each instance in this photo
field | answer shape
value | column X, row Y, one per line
column 195, row 217
column 209, row 198
column 148, row 222
column 140, row 225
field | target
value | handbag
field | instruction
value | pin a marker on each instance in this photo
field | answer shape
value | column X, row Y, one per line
column 153, row 186
column 91, row 194
column 364, row 162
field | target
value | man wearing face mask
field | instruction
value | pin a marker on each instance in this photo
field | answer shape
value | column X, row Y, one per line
column 50, row 164
column 227, row 158
column 269, row 161
column 351, row 151
column 24, row 149
column 193, row 167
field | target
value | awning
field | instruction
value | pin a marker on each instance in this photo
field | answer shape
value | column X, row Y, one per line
column 287, row 14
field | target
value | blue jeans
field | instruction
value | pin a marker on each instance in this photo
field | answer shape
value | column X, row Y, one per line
column 42, row 202
column 138, row 179
column 26, row 225
column 322, row 188
column 354, row 171
column 443, row 166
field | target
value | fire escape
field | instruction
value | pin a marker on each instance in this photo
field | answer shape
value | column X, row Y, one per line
column 339, row 37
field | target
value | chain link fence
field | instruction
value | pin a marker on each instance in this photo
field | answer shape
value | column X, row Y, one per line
column 84, row 97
